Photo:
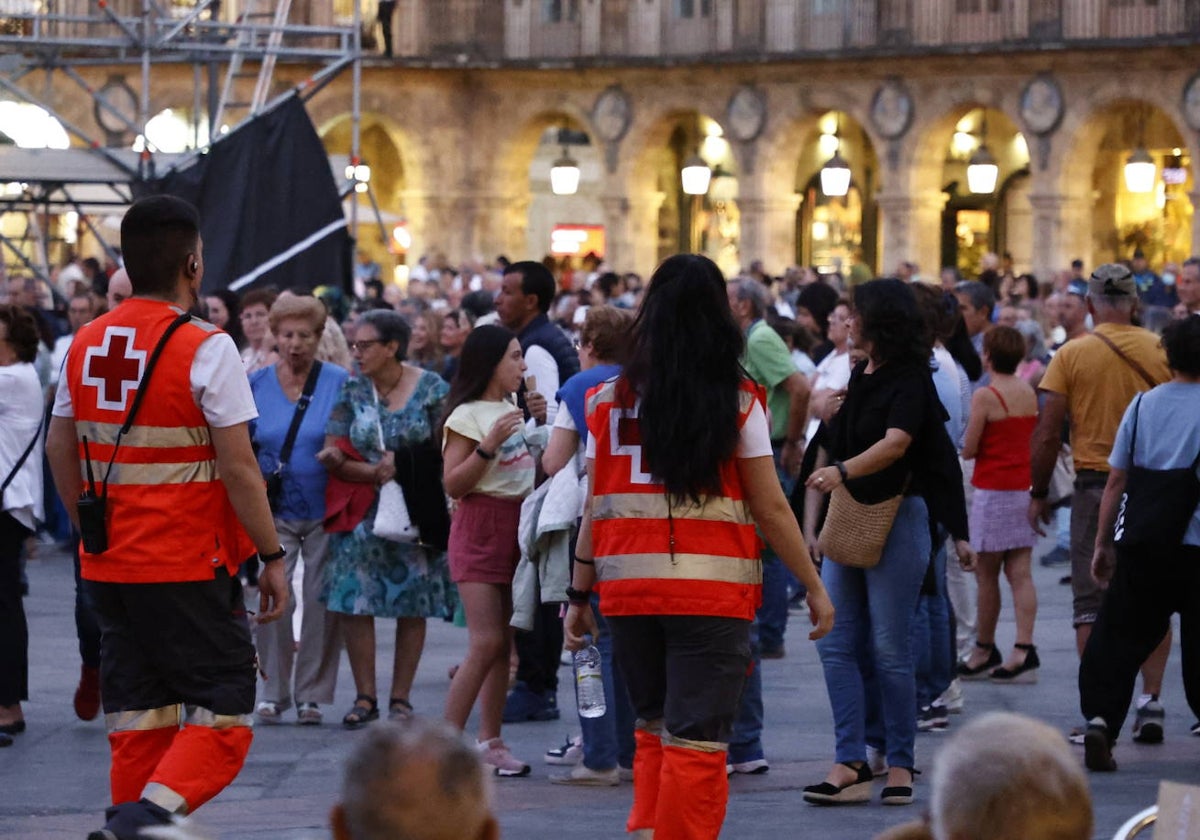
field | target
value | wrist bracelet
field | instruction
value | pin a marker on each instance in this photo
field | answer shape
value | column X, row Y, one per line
column 484, row 454
column 585, row 562
column 274, row 555
column 1039, row 494
column 841, row 468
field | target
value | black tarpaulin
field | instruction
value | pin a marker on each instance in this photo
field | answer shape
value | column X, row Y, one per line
column 269, row 208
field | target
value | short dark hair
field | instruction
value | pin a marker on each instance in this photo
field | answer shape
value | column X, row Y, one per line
column 1181, row 340
column 22, row 331
column 536, row 279
column 157, row 236
column 391, row 326
column 980, row 294
column 1005, row 347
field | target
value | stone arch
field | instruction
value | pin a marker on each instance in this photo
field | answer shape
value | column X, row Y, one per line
column 1100, row 138
column 656, row 150
column 937, row 184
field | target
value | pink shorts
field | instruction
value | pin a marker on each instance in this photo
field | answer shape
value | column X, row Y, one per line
column 483, row 540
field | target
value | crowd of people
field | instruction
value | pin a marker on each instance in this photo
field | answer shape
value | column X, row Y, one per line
column 559, row 456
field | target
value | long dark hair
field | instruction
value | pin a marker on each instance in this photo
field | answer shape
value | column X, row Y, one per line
column 481, row 352
column 683, row 364
column 889, row 319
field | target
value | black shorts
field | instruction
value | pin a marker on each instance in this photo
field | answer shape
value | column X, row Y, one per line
column 168, row 643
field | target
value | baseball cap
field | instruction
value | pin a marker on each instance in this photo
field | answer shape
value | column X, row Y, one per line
column 1112, row 280
column 1078, row 288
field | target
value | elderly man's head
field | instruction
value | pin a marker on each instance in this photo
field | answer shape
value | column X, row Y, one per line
column 419, row 781
column 1009, row 777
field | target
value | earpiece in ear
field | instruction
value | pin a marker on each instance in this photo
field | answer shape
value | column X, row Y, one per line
column 195, row 266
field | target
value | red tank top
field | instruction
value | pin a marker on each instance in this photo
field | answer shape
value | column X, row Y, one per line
column 1002, row 461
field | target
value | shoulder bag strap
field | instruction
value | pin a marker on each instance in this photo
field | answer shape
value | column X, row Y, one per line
column 1141, row 371
column 310, row 385
column 24, row 457
column 1137, row 406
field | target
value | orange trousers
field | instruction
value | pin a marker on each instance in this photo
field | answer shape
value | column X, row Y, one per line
column 195, row 762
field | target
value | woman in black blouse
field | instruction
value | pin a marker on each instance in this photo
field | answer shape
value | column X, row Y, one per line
column 887, row 439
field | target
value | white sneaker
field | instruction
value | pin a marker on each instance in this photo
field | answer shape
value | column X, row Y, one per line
column 495, row 754
column 566, row 755
column 748, row 768
column 584, row 776
column 952, row 697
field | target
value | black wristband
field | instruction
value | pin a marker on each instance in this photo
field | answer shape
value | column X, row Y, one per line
column 1039, row 494
column 274, row 555
column 579, row 597
column 585, row 562
column 484, row 454
column 841, row 468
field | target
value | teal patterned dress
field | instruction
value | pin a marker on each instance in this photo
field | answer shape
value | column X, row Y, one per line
column 366, row 574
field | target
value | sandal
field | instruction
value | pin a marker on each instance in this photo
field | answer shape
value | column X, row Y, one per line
column 827, row 793
column 268, row 712
column 399, row 710
column 984, row 668
column 360, row 713
column 308, row 714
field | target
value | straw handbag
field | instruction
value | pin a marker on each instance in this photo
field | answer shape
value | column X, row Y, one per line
column 854, row 534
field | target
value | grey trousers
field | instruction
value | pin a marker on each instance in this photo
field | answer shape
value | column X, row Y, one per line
column 314, row 663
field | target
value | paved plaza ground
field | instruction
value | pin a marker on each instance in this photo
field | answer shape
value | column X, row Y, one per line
column 53, row 782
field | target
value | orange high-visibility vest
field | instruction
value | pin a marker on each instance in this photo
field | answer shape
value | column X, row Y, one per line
column 659, row 557
column 169, row 517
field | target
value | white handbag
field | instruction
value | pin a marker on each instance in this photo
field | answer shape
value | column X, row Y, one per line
column 392, row 521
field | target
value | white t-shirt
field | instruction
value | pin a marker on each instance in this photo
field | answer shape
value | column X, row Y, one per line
column 754, row 440
column 219, row 385
column 542, row 366
column 20, row 420
column 833, row 372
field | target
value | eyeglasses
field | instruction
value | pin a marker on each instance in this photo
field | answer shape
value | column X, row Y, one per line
column 358, row 346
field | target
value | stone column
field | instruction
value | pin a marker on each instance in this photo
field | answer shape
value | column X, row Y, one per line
column 631, row 228
column 912, row 230
column 768, row 230
column 1059, row 232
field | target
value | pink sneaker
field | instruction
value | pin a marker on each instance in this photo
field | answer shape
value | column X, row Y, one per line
column 495, row 754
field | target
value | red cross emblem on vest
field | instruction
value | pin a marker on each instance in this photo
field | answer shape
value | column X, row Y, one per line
column 114, row 368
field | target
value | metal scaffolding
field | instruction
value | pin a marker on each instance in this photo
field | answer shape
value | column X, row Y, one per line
column 232, row 61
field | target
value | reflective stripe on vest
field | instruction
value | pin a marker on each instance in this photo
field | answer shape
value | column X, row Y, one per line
column 656, row 556
column 149, row 437
column 679, row 567
column 184, row 473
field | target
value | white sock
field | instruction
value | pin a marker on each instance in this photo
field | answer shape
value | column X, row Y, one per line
column 1143, row 700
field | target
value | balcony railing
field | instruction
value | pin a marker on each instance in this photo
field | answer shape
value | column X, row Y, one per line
column 677, row 30
column 500, row 31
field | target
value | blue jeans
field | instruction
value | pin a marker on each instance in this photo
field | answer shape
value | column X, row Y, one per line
column 933, row 637
column 773, row 614
column 608, row 739
column 876, row 608
column 745, row 744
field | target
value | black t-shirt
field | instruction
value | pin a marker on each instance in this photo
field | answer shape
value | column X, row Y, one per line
column 893, row 397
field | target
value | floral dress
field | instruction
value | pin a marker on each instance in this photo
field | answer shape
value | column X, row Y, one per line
column 366, row 574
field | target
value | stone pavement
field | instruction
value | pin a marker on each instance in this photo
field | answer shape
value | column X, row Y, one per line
column 53, row 782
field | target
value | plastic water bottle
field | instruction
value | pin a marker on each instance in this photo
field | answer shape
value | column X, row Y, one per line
column 589, row 683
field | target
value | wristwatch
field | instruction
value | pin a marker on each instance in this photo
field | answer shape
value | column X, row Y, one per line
column 580, row 597
column 274, row 555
